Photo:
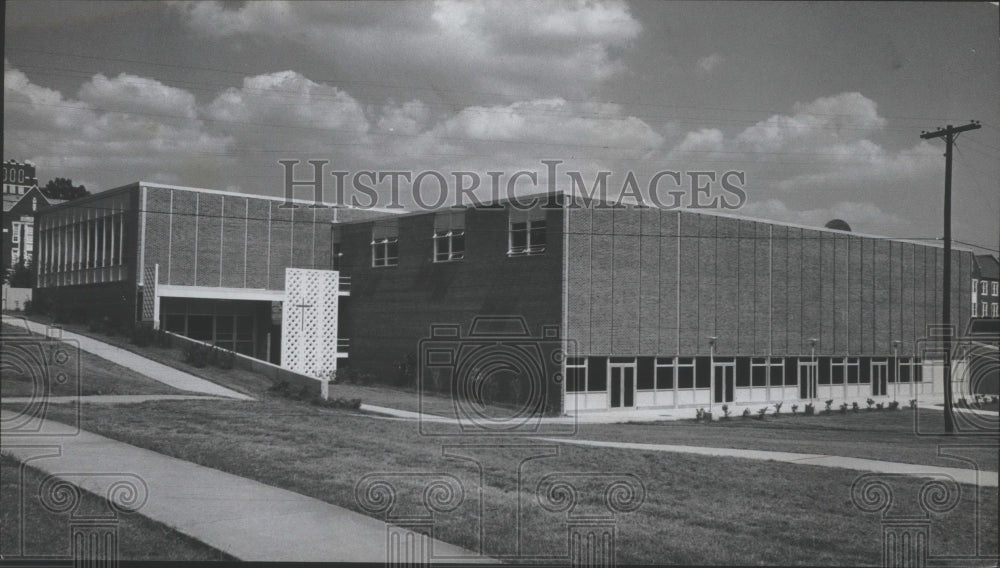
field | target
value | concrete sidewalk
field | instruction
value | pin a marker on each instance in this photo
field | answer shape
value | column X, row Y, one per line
column 967, row 476
column 241, row 517
column 109, row 398
column 156, row 371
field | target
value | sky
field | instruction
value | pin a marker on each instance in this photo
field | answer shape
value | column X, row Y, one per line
column 819, row 105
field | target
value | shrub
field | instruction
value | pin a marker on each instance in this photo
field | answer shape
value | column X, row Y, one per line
column 142, row 335
column 280, row 387
column 761, row 413
column 353, row 376
column 913, row 404
column 795, row 407
column 725, row 411
column 894, row 405
column 854, row 406
column 828, row 404
column 870, row 402
column 879, row 406
column 699, row 414
column 29, row 308
column 196, row 355
column 843, row 408
column 746, row 413
column 777, row 408
column 810, row 409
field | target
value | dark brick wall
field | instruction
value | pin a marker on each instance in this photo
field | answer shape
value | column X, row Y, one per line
column 760, row 288
column 391, row 309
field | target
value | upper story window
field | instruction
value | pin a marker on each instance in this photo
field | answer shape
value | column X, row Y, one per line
column 996, row 308
column 15, row 236
column 975, row 309
column 527, row 235
column 984, row 287
column 449, row 236
column 996, row 288
column 975, row 286
column 385, row 242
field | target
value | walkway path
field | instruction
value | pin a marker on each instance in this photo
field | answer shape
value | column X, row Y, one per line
column 241, row 517
column 109, row 398
column 156, row 371
column 968, row 476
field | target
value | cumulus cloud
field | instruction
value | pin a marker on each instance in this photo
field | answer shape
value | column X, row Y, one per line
column 129, row 93
column 516, row 49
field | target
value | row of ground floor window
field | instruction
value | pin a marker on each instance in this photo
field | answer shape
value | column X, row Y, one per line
column 628, row 382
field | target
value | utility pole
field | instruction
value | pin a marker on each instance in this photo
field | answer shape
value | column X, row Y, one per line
column 949, row 133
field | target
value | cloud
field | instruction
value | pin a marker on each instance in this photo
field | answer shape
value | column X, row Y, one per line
column 148, row 130
column 129, row 93
column 708, row 63
column 515, row 49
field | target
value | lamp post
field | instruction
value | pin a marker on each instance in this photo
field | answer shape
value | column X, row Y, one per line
column 813, row 370
column 895, row 368
column 711, row 365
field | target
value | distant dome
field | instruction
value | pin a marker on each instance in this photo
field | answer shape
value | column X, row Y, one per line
column 838, row 225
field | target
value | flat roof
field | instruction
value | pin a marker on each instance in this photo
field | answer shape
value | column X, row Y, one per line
column 634, row 206
column 138, row 184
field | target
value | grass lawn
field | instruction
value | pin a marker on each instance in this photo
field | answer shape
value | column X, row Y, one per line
column 697, row 509
column 882, row 435
column 97, row 376
column 47, row 533
column 257, row 385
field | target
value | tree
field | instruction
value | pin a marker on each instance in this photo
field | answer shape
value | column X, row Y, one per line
column 22, row 275
column 63, row 188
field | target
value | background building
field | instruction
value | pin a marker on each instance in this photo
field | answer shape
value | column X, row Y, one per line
column 21, row 198
column 986, row 287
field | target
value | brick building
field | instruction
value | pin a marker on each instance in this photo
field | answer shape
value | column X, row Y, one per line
column 986, row 287
column 652, row 308
column 21, row 198
column 208, row 264
column 659, row 308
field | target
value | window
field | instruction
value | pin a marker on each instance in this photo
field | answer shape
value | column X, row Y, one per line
column 664, row 373
column 758, row 372
column 993, row 312
column 776, row 373
column 996, row 288
column 984, row 308
column 975, row 309
column 838, row 370
column 975, row 286
column 904, row 370
column 385, row 251
column 984, row 287
column 15, row 233
column 527, row 238
column 853, row 371
column 385, row 242
column 685, row 372
column 449, row 245
column 527, row 235
column 449, row 235
column 576, row 374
